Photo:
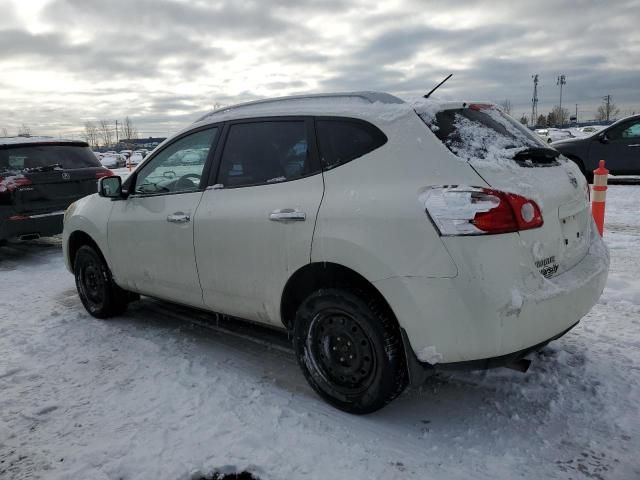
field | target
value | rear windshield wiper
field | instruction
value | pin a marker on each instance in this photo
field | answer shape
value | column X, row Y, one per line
column 44, row 168
column 537, row 154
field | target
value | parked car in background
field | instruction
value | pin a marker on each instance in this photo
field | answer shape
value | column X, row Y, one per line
column 109, row 161
column 39, row 178
column 618, row 145
column 135, row 158
column 381, row 235
column 125, row 153
column 554, row 134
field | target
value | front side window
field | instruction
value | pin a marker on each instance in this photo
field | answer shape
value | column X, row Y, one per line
column 341, row 141
column 625, row 131
column 178, row 167
column 265, row 152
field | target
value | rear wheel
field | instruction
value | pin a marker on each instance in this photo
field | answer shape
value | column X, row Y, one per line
column 350, row 350
column 99, row 294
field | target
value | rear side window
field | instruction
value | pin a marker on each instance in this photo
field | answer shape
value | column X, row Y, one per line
column 343, row 140
column 39, row 157
column 256, row 153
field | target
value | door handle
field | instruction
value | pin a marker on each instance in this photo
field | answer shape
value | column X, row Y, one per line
column 178, row 217
column 635, row 145
column 288, row 215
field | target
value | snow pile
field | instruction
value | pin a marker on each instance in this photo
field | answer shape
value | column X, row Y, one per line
column 148, row 396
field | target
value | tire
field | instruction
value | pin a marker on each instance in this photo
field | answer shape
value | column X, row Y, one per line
column 101, row 297
column 350, row 350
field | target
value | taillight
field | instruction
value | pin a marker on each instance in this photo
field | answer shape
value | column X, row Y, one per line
column 8, row 184
column 104, row 173
column 461, row 210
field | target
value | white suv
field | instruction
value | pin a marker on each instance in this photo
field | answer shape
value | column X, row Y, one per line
column 387, row 237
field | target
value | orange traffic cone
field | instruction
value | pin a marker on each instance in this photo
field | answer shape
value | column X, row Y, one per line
column 599, row 197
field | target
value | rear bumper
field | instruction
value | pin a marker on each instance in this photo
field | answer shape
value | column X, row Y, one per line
column 44, row 224
column 494, row 308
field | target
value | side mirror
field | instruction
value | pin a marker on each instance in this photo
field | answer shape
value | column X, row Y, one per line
column 110, row 187
column 603, row 138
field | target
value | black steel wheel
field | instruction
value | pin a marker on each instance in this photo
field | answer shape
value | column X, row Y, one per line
column 101, row 297
column 349, row 350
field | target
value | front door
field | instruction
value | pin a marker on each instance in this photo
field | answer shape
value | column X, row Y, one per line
column 254, row 229
column 620, row 148
column 151, row 232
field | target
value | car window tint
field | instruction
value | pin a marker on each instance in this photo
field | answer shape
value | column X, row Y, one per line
column 265, row 152
column 341, row 141
column 179, row 166
column 68, row 157
column 632, row 131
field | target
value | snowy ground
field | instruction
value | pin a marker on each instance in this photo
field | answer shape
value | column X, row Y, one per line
column 149, row 396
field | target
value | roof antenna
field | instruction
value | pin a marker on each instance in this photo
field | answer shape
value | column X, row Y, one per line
column 438, row 86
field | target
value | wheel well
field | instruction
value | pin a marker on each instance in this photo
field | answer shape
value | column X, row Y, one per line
column 315, row 276
column 76, row 240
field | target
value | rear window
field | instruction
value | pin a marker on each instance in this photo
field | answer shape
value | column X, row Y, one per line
column 483, row 133
column 36, row 157
column 341, row 141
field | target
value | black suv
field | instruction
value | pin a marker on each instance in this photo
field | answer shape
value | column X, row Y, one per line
column 618, row 145
column 39, row 179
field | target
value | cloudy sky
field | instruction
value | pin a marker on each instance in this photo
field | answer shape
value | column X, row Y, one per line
column 163, row 62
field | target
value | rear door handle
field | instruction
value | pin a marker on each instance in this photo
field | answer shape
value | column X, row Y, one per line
column 288, row 215
column 635, row 145
column 178, row 217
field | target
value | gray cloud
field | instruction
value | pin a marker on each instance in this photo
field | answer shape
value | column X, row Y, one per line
column 163, row 62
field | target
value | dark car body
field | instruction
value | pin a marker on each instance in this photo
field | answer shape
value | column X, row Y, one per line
column 618, row 145
column 39, row 179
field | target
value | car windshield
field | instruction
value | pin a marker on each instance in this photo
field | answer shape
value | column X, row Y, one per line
column 482, row 132
column 38, row 157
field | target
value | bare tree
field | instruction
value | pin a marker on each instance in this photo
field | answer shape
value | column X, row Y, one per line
column 524, row 120
column 128, row 131
column 105, row 133
column 542, row 121
column 91, row 134
column 4, row 132
column 558, row 116
column 24, row 130
column 608, row 110
column 505, row 105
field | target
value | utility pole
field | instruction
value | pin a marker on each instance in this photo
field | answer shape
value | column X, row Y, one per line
column 562, row 80
column 576, row 113
column 117, row 132
column 534, row 101
column 608, row 99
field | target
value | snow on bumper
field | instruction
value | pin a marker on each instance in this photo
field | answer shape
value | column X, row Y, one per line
column 494, row 308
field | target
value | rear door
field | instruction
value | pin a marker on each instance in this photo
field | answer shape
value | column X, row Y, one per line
column 53, row 175
column 512, row 159
column 254, row 228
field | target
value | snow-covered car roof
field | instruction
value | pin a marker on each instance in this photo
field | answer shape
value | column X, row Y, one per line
column 342, row 102
column 11, row 141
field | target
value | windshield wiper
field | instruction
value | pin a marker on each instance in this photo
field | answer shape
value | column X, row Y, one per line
column 537, row 154
column 44, row 168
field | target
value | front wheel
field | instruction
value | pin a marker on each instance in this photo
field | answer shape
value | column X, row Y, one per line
column 99, row 294
column 350, row 350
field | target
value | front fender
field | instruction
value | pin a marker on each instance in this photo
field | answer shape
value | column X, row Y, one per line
column 89, row 215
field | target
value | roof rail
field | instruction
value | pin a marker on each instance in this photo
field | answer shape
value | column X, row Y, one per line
column 370, row 97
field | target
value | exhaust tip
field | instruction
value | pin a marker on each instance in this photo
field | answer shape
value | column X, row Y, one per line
column 30, row 236
column 521, row 365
